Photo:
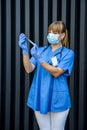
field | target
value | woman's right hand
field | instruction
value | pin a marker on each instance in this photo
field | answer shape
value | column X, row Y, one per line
column 23, row 43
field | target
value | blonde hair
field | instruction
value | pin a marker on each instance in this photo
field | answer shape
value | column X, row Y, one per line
column 60, row 27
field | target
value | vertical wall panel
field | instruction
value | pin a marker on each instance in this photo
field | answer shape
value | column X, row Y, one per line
column 45, row 20
column 8, row 65
column 36, row 20
column 82, row 68
column 0, row 62
column 32, row 17
column 0, row 59
column 54, row 12
column 64, row 5
column 27, row 81
column 73, row 119
column 3, row 32
column 17, row 66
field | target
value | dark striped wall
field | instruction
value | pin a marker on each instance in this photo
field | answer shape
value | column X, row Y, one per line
column 33, row 17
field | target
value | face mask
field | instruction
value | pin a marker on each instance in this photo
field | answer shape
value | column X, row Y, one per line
column 53, row 38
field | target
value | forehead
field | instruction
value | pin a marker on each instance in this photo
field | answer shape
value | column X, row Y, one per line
column 55, row 28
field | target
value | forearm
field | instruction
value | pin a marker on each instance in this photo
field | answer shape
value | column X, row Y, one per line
column 27, row 64
column 52, row 70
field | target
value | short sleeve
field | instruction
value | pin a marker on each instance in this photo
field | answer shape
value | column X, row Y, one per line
column 67, row 63
column 33, row 61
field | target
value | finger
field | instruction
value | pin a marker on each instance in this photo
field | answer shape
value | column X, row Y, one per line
column 22, row 35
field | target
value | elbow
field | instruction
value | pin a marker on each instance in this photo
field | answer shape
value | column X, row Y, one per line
column 28, row 71
column 56, row 75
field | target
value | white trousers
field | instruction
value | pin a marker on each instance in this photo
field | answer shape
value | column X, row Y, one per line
column 52, row 120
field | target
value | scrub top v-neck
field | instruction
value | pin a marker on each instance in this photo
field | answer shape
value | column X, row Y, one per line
column 47, row 93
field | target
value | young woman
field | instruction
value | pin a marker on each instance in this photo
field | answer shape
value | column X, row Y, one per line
column 49, row 94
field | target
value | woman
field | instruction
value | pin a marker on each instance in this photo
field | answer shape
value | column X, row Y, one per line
column 49, row 93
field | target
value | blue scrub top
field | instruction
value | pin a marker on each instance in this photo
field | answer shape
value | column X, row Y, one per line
column 47, row 93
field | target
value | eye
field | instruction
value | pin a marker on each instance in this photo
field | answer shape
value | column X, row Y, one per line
column 49, row 32
column 55, row 32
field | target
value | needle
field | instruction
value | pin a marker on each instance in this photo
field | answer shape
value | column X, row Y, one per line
column 30, row 41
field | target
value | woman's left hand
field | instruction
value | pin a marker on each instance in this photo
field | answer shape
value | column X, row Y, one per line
column 36, row 54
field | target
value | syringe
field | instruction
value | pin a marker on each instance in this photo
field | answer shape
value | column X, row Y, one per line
column 30, row 41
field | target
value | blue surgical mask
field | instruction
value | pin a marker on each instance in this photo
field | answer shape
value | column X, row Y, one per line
column 53, row 38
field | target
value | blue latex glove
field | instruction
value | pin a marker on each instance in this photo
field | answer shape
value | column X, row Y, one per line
column 23, row 43
column 36, row 54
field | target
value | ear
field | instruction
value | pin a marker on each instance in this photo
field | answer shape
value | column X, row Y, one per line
column 62, row 36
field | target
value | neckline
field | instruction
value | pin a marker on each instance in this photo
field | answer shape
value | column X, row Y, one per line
column 56, row 48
